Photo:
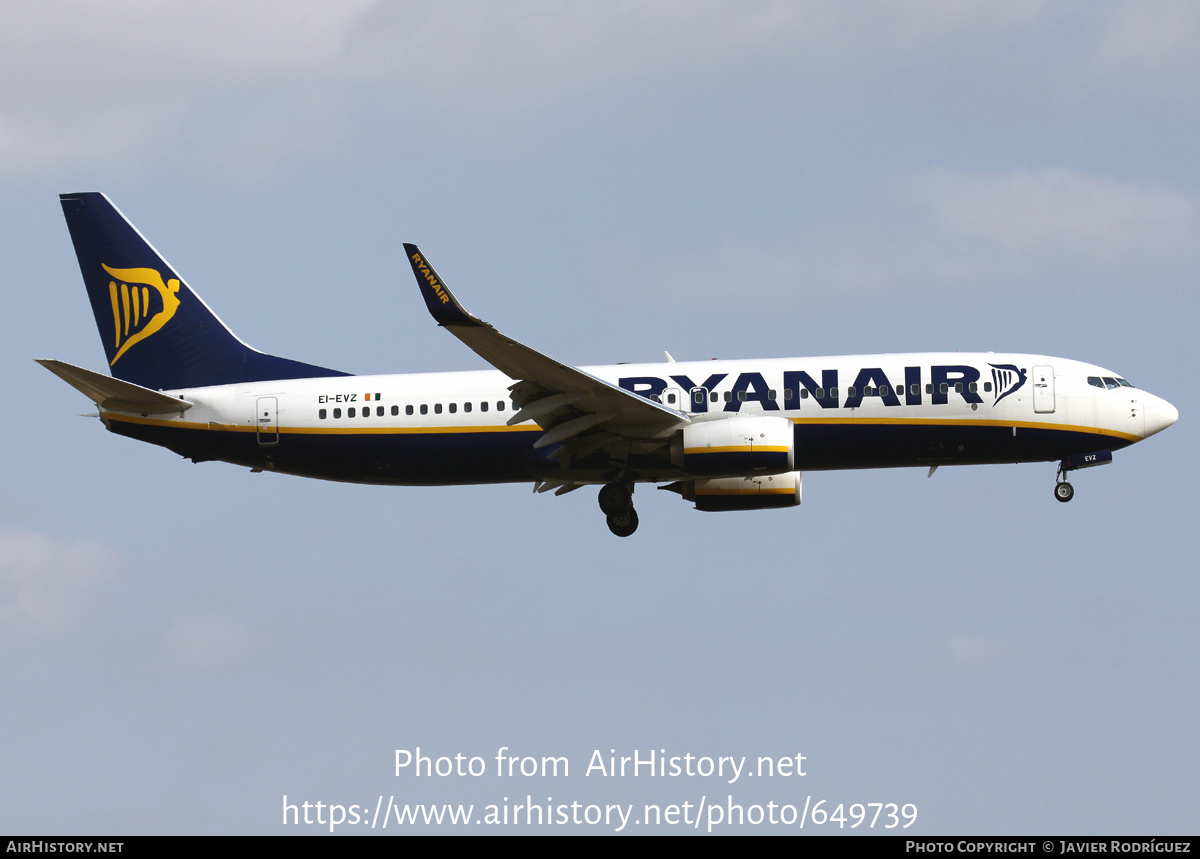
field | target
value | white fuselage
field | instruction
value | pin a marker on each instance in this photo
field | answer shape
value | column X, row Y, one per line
column 854, row 411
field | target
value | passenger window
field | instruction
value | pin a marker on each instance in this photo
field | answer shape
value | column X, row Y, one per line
column 742, row 396
column 804, row 393
column 453, row 408
column 379, row 411
column 483, row 406
column 929, row 388
column 883, row 390
column 974, row 387
column 424, row 408
column 729, row 396
column 408, row 410
column 437, row 408
column 337, row 413
column 914, row 389
column 833, row 393
column 987, row 387
column 350, row 412
column 500, row 405
column 943, row 388
column 958, row 387
column 671, row 399
column 714, row 396
column 851, row 391
column 466, row 407
column 771, row 395
column 820, row 393
column 321, row 414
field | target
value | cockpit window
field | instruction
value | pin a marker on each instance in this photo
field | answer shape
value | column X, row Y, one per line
column 1108, row 382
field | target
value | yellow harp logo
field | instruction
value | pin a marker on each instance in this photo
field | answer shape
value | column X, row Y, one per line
column 136, row 312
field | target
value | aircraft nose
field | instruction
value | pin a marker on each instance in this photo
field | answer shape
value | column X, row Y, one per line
column 1159, row 415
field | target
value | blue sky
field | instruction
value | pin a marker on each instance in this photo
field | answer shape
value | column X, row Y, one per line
column 181, row 645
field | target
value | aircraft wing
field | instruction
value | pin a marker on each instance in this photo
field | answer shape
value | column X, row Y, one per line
column 563, row 400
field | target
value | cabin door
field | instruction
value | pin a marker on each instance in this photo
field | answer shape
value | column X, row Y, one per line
column 1043, row 390
column 267, row 420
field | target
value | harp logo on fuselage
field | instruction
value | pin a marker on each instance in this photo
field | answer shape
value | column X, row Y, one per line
column 141, row 305
column 1009, row 378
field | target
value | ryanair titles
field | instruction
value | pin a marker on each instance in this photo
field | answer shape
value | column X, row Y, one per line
column 935, row 385
column 430, row 278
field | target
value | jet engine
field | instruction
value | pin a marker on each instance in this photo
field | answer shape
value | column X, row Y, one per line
column 738, row 446
column 756, row 492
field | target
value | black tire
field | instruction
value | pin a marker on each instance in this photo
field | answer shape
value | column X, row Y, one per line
column 623, row 524
column 614, row 499
column 1064, row 492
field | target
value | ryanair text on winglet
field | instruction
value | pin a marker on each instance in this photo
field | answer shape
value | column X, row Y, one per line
column 431, row 278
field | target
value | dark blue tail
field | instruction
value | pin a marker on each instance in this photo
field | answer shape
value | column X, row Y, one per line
column 157, row 333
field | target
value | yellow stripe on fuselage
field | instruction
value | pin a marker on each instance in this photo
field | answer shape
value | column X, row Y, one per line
column 838, row 421
column 369, row 430
column 954, row 422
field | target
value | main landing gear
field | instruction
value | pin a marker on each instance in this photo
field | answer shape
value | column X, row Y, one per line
column 616, row 500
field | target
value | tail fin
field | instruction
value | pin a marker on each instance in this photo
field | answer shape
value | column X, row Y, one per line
column 157, row 333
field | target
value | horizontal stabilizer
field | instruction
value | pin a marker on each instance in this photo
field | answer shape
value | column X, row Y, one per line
column 115, row 394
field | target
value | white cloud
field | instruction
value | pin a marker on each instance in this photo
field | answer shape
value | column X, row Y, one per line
column 115, row 83
column 45, row 584
column 132, row 82
column 936, row 230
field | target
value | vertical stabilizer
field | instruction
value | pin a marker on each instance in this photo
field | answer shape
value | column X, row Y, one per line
column 157, row 333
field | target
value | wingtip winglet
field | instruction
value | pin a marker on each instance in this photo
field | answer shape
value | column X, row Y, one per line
column 442, row 304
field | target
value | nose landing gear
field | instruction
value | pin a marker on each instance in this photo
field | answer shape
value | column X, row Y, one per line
column 1064, row 491
column 616, row 500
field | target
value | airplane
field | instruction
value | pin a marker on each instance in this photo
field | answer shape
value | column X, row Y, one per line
column 723, row 434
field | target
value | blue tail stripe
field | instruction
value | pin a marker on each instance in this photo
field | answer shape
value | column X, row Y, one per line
column 157, row 333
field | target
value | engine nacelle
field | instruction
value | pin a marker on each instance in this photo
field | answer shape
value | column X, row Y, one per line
column 758, row 492
column 739, row 445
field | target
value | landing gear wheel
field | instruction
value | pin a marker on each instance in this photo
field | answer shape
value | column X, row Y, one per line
column 1064, row 491
column 615, row 499
column 623, row 524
